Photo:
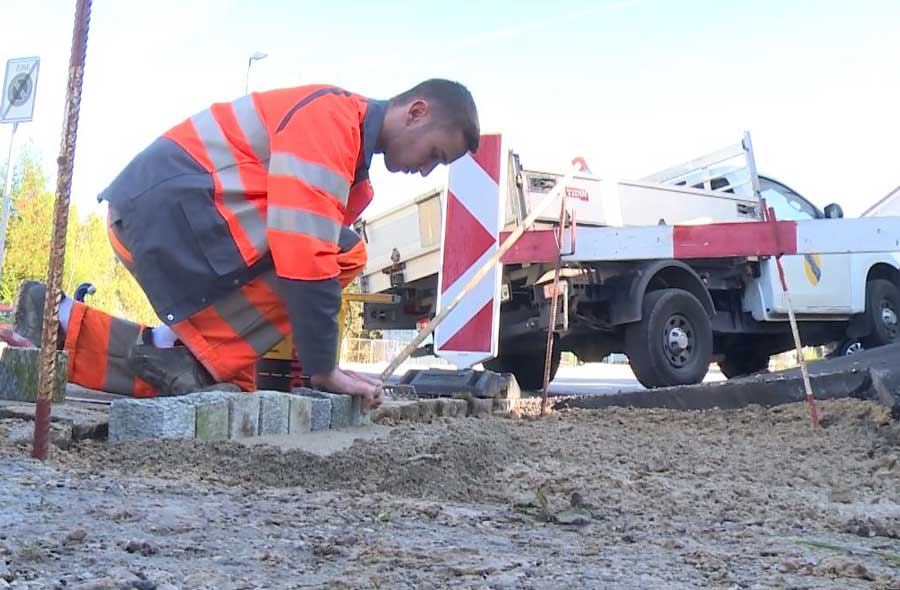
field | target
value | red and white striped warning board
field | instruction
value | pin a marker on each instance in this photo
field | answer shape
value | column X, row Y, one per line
column 472, row 214
column 714, row 240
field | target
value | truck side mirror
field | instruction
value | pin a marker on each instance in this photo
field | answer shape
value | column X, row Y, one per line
column 834, row 211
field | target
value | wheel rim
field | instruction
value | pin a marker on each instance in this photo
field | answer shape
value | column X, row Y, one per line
column 678, row 340
column 854, row 348
column 889, row 318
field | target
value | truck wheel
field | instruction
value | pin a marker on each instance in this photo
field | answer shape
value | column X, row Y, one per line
column 850, row 347
column 528, row 368
column 737, row 364
column 882, row 307
column 672, row 343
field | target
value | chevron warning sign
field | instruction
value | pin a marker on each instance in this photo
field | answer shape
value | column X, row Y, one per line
column 472, row 216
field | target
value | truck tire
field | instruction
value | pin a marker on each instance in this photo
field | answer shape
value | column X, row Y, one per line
column 850, row 347
column 672, row 344
column 883, row 311
column 528, row 368
column 737, row 364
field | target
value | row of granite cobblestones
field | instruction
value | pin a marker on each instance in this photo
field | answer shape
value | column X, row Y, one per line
column 229, row 415
column 224, row 415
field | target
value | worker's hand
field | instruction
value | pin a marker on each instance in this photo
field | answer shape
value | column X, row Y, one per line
column 378, row 399
column 379, row 393
column 363, row 377
column 339, row 381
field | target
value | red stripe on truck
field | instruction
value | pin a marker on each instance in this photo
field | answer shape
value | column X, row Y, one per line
column 533, row 246
column 722, row 240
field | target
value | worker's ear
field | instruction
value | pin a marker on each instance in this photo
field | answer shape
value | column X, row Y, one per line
column 417, row 112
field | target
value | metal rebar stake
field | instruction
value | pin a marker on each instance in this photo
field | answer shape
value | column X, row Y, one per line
column 65, row 162
column 554, row 299
column 792, row 318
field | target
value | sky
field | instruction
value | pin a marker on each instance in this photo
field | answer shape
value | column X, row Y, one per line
column 634, row 86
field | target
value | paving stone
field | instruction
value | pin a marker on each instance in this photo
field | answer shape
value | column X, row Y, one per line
column 22, row 432
column 388, row 412
column 505, row 406
column 341, row 406
column 357, row 416
column 151, row 418
column 409, row 411
column 300, row 414
column 86, row 420
column 19, row 374
column 356, row 413
column 243, row 415
column 341, row 410
column 212, row 420
column 274, row 410
column 428, row 409
column 320, row 417
column 452, row 408
column 481, row 407
column 391, row 411
column 212, row 414
column 440, row 408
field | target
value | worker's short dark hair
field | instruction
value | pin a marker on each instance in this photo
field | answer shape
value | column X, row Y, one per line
column 453, row 101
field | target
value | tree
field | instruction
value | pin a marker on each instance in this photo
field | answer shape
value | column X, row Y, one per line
column 28, row 235
column 89, row 256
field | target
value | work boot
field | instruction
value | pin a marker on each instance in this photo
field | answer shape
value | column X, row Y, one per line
column 28, row 311
column 28, row 314
column 173, row 371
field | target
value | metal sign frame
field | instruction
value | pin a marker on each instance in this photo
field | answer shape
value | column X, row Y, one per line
column 19, row 70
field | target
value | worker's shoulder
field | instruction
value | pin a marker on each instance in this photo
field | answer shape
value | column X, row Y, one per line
column 285, row 104
column 303, row 95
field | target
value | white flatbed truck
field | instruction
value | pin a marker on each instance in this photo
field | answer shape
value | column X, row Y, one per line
column 670, row 316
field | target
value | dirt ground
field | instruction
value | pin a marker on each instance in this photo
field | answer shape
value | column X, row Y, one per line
column 583, row 499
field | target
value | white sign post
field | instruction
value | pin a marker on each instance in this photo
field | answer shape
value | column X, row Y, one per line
column 16, row 106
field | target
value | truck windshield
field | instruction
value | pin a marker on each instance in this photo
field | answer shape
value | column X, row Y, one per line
column 787, row 204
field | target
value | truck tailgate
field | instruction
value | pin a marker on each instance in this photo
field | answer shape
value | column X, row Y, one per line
column 404, row 241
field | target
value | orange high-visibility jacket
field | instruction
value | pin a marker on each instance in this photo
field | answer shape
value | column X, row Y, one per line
column 271, row 179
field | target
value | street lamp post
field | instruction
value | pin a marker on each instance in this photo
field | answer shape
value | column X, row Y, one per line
column 256, row 56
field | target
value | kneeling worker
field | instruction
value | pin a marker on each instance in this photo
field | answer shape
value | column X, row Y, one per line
column 236, row 224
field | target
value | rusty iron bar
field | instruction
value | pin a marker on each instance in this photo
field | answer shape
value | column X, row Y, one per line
column 769, row 217
column 66, row 164
column 551, row 327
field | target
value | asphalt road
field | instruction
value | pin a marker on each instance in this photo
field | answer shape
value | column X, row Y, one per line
column 604, row 379
column 587, row 379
